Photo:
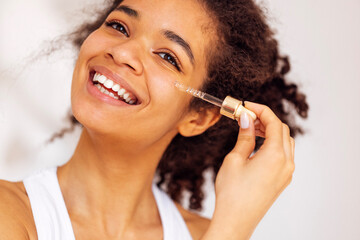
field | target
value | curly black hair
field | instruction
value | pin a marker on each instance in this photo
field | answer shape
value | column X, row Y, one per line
column 245, row 65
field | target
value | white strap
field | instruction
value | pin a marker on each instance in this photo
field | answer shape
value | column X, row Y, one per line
column 47, row 203
column 174, row 226
column 53, row 222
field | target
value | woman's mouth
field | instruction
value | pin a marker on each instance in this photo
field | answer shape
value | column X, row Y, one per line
column 112, row 89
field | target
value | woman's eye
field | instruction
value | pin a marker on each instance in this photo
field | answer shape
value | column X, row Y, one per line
column 171, row 59
column 118, row 27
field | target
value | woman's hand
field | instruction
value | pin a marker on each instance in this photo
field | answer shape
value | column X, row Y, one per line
column 245, row 186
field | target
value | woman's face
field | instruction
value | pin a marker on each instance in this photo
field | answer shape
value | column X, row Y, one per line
column 141, row 49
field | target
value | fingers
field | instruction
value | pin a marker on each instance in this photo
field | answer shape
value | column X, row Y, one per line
column 246, row 139
column 271, row 124
column 259, row 129
column 259, row 126
column 287, row 142
column 259, row 133
column 276, row 133
column 268, row 126
column 292, row 148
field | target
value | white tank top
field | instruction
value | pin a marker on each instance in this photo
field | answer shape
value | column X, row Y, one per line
column 52, row 220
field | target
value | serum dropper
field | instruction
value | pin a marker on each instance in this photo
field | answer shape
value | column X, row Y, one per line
column 229, row 107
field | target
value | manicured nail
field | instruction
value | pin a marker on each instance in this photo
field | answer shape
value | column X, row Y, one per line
column 244, row 120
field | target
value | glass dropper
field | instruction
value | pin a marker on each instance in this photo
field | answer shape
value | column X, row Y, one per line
column 196, row 93
column 229, row 107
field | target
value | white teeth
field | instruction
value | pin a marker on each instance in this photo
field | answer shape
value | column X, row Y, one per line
column 121, row 92
column 96, row 76
column 116, row 87
column 102, row 79
column 108, row 84
column 103, row 90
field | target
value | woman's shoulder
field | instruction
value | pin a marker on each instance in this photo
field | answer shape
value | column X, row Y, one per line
column 16, row 219
column 196, row 224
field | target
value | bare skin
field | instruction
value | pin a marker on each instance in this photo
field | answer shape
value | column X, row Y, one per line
column 261, row 177
column 17, row 222
column 107, row 182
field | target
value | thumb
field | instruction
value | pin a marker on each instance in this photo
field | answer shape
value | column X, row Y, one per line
column 246, row 139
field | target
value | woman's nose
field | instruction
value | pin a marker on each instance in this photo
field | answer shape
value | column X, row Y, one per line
column 128, row 55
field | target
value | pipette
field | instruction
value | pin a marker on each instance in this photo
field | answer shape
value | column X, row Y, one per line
column 229, row 107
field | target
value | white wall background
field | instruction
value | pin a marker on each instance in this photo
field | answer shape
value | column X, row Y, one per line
column 322, row 38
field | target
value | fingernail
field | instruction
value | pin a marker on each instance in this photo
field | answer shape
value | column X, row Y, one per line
column 244, row 120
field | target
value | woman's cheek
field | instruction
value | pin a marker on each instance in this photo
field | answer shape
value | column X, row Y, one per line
column 94, row 44
column 164, row 92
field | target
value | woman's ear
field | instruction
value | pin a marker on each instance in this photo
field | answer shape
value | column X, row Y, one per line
column 196, row 122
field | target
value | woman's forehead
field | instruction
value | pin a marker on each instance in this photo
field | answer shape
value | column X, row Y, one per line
column 180, row 14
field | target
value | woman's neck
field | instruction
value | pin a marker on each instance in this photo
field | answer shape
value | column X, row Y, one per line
column 110, row 183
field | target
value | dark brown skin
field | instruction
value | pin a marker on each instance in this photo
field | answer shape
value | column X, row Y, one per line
column 116, row 160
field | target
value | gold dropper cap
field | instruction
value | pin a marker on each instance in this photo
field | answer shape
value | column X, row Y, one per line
column 232, row 108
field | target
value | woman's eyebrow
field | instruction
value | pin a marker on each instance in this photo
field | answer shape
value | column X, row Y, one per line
column 128, row 10
column 179, row 40
column 167, row 33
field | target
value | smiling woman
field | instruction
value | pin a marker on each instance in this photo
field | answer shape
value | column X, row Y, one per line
column 137, row 125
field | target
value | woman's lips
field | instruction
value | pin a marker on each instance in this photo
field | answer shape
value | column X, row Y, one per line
column 112, row 89
column 111, row 81
column 95, row 92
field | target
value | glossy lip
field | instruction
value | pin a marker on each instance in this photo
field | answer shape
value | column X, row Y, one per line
column 116, row 79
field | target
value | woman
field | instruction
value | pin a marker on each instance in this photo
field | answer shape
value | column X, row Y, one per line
column 137, row 124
